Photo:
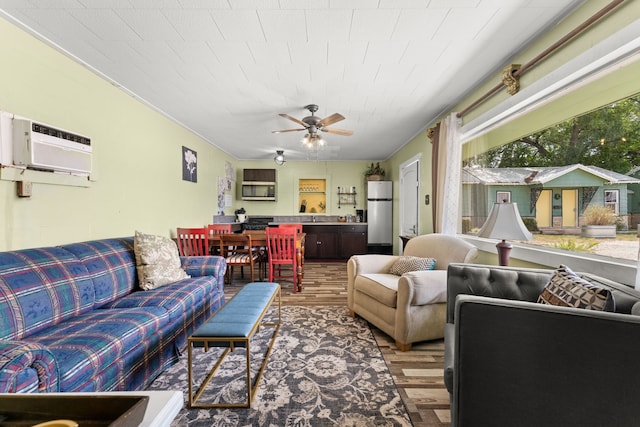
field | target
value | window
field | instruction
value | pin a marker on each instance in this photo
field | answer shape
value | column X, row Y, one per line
column 503, row 196
column 555, row 173
column 611, row 200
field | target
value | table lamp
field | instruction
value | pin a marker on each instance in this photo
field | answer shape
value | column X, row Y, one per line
column 504, row 223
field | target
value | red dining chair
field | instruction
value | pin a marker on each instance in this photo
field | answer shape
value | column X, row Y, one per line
column 281, row 250
column 193, row 241
column 219, row 229
column 297, row 227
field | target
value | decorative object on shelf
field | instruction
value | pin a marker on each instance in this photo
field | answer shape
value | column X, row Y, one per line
column 303, row 206
column 241, row 214
column 504, row 223
column 374, row 172
column 346, row 196
column 279, row 158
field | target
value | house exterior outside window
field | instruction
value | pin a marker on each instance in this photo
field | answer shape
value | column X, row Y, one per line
column 612, row 200
column 503, row 197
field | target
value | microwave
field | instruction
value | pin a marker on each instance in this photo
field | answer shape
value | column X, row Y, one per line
column 254, row 190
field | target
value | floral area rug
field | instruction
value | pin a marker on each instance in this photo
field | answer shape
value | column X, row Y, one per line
column 325, row 370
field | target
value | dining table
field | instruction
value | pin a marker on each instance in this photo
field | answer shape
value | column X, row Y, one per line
column 259, row 240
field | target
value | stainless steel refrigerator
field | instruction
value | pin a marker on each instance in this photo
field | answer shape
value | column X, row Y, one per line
column 380, row 216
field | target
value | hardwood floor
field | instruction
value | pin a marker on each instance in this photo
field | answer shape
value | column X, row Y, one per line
column 417, row 373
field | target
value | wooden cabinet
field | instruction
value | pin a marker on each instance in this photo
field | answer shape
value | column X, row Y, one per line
column 334, row 241
column 259, row 175
column 353, row 240
column 321, row 242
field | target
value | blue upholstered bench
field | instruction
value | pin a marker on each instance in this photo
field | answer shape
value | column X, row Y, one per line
column 233, row 326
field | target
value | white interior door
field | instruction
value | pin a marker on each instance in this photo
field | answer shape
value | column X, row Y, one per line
column 409, row 197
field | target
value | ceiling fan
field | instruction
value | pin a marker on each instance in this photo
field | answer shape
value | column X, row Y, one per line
column 312, row 124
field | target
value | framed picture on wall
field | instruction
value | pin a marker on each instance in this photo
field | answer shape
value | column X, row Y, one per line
column 189, row 165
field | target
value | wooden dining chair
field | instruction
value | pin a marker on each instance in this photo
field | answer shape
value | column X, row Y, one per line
column 193, row 241
column 281, row 250
column 214, row 230
column 239, row 251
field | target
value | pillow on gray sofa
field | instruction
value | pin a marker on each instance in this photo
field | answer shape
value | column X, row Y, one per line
column 157, row 261
column 567, row 289
column 405, row 264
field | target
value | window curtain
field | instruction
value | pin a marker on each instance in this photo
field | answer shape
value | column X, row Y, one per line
column 447, row 161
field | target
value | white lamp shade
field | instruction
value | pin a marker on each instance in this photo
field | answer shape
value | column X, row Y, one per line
column 505, row 223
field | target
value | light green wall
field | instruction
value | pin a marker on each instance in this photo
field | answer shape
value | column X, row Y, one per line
column 418, row 146
column 617, row 85
column 137, row 159
column 136, row 153
column 345, row 174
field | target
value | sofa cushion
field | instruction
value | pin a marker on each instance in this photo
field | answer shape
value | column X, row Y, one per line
column 40, row 288
column 112, row 266
column 180, row 299
column 567, row 289
column 157, row 261
column 382, row 287
column 93, row 342
column 406, row 264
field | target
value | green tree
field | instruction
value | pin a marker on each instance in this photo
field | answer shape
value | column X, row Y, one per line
column 608, row 137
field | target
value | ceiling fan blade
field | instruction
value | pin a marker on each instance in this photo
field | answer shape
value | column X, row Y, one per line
column 287, row 130
column 342, row 132
column 293, row 119
column 334, row 118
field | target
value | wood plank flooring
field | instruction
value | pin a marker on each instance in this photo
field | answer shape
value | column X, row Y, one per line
column 417, row 373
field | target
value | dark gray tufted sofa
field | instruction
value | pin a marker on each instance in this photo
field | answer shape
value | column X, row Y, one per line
column 510, row 361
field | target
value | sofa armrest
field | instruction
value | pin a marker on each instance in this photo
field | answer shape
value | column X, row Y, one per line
column 371, row 264
column 511, row 283
column 366, row 264
column 197, row 266
column 27, row 367
column 528, row 364
column 449, row 344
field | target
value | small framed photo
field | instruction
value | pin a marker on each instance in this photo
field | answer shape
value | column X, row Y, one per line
column 189, row 165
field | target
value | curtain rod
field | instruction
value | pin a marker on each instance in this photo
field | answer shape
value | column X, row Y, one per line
column 557, row 45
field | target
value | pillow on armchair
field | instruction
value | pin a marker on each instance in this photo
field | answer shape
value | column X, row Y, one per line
column 405, row 264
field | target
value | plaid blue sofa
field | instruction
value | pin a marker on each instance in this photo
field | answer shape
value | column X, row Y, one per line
column 73, row 319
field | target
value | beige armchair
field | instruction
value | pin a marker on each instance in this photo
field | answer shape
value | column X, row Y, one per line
column 412, row 307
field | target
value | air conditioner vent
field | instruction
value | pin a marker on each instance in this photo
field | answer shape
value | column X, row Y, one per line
column 42, row 147
column 47, row 130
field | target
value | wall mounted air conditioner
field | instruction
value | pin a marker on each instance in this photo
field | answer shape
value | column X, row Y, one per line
column 40, row 146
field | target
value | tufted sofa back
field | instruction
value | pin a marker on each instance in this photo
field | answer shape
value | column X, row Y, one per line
column 521, row 284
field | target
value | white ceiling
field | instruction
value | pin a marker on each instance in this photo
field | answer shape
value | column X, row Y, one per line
column 226, row 68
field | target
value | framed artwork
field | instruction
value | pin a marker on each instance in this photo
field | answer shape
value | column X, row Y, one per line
column 189, row 165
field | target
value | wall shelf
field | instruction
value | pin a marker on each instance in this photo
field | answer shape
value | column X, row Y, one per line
column 312, row 197
column 346, row 198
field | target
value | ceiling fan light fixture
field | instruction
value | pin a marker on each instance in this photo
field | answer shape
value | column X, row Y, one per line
column 279, row 158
